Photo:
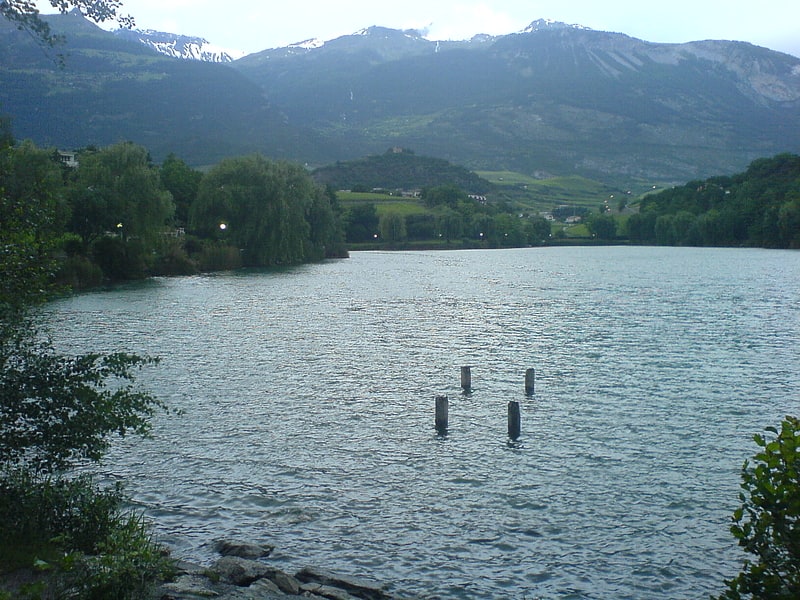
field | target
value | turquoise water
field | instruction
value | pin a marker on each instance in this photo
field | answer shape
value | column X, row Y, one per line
column 308, row 399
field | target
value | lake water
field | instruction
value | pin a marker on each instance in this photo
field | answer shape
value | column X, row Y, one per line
column 309, row 413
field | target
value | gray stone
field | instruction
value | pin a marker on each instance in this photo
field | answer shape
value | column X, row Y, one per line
column 286, row 583
column 242, row 549
column 241, row 571
column 326, row 591
column 253, row 592
column 353, row 586
column 188, row 586
column 183, row 567
column 266, row 588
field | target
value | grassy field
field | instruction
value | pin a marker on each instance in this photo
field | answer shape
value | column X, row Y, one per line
column 545, row 194
column 524, row 193
column 383, row 202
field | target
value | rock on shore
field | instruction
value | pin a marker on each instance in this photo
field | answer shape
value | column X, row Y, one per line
column 239, row 575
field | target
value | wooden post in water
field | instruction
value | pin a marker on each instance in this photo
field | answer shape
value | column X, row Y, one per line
column 466, row 378
column 530, row 381
column 514, row 420
column 442, row 404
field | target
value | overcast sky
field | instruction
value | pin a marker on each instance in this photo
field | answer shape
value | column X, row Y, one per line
column 254, row 25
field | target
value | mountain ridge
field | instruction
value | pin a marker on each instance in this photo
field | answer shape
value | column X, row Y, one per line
column 193, row 47
column 553, row 99
column 180, row 46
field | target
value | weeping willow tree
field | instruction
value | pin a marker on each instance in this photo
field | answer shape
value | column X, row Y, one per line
column 271, row 210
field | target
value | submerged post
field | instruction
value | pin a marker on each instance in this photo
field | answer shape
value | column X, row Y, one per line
column 514, row 420
column 466, row 378
column 442, row 405
column 530, row 380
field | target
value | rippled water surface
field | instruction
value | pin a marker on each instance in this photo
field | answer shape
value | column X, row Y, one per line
column 309, row 413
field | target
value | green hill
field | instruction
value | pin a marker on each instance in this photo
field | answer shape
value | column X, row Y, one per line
column 759, row 207
column 399, row 169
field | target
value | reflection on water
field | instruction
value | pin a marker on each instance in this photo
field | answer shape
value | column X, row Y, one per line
column 309, row 413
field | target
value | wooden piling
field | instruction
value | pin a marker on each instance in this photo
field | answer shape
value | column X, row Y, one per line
column 530, row 381
column 514, row 420
column 466, row 378
column 442, row 405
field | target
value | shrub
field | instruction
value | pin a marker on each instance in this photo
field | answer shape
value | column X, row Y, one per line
column 128, row 565
column 37, row 510
column 767, row 524
column 92, row 548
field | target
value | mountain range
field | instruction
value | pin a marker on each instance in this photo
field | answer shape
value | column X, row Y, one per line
column 551, row 100
column 179, row 46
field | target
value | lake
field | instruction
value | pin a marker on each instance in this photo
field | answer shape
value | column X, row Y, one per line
column 308, row 413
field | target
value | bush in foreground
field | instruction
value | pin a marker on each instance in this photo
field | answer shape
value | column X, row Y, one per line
column 767, row 524
column 73, row 539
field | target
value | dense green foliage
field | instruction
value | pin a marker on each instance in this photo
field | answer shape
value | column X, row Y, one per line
column 273, row 211
column 58, row 412
column 29, row 222
column 767, row 525
column 182, row 182
column 81, row 540
column 117, row 216
column 760, row 207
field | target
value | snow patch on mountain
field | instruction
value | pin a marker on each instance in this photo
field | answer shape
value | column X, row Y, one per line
column 181, row 46
column 309, row 44
column 544, row 24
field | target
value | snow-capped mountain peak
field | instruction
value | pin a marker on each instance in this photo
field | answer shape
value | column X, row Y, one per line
column 180, row 46
column 309, row 44
column 543, row 24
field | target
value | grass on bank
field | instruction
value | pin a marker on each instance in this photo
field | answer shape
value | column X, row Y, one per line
column 68, row 538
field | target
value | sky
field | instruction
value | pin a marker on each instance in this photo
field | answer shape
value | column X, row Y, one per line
column 254, row 25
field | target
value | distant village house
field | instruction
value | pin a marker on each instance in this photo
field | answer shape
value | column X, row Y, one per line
column 68, row 159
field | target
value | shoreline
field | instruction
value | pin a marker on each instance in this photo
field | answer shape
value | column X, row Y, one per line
column 243, row 573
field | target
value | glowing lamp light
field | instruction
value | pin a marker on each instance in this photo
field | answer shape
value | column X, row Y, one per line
column 223, row 226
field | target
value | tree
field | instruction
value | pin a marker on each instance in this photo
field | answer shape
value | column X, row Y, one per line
column 789, row 224
column 443, row 195
column 54, row 410
column 326, row 238
column 263, row 207
column 767, row 524
column 537, row 230
column 26, row 16
column 450, row 224
column 182, row 182
column 117, row 189
column 604, row 227
column 58, row 411
column 361, row 223
column 508, row 230
column 30, row 211
column 665, row 230
column 421, row 226
column 641, row 226
column 393, row 227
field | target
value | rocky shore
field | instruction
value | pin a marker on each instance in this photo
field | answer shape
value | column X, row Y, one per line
column 241, row 573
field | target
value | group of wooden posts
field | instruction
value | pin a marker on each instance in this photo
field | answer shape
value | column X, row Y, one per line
column 514, row 414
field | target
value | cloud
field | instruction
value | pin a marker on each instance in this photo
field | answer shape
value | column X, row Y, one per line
column 465, row 20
